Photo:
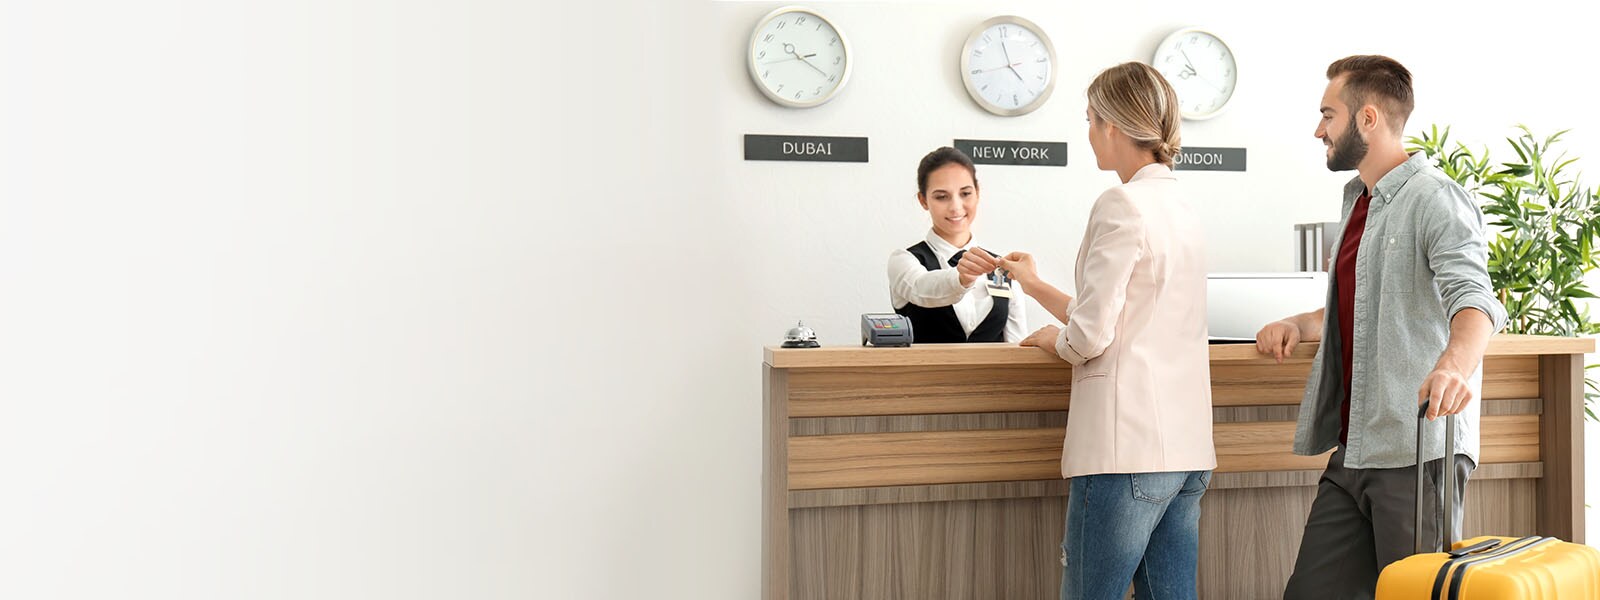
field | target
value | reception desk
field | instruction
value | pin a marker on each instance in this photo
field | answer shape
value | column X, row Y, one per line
column 934, row 471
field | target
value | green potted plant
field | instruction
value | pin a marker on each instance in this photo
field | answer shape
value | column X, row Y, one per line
column 1544, row 225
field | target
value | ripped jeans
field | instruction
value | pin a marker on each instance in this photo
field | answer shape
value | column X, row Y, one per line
column 1139, row 527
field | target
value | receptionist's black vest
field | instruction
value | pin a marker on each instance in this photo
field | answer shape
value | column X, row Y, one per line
column 940, row 325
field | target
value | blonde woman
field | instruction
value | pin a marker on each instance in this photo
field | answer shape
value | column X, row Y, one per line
column 1138, row 445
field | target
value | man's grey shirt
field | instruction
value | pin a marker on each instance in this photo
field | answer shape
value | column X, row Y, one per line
column 1423, row 258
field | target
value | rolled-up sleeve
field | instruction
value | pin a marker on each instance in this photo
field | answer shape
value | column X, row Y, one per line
column 1459, row 255
column 1114, row 245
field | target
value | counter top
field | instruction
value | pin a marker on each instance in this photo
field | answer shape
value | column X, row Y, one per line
column 1012, row 354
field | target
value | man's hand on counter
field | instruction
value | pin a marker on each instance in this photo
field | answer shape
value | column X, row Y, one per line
column 1044, row 339
column 1278, row 339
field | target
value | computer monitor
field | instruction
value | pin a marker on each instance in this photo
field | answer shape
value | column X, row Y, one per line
column 1239, row 304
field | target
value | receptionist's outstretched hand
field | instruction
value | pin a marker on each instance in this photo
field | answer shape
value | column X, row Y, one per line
column 976, row 264
column 1021, row 268
column 1044, row 339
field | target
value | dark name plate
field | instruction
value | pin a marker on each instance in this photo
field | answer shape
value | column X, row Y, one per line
column 1001, row 152
column 808, row 148
column 1209, row 159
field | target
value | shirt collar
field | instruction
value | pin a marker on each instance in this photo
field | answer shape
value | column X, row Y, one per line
column 943, row 249
column 1389, row 185
column 1152, row 171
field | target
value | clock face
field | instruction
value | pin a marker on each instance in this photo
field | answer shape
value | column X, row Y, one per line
column 1201, row 70
column 1008, row 66
column 797, row 58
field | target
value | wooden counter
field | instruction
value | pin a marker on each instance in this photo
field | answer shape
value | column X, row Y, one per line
column 934, row 471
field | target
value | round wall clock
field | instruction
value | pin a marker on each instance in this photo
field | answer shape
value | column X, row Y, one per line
column 1008, row 66
column 1201, row 69
column 798, row 58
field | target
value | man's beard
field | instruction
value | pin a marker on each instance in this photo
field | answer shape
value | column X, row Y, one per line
column 1348, row 150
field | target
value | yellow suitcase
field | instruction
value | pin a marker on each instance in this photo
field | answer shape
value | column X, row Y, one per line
column 1500, row 568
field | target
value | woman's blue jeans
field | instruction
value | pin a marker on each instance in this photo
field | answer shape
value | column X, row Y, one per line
column 1138, row 527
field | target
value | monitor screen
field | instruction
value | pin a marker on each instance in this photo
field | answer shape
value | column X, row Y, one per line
column 1239, row 304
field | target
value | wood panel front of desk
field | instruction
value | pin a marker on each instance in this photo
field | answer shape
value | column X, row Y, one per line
column 934, row 472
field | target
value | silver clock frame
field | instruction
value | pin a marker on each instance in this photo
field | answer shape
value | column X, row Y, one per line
column 1156, row 55
column 966, row 66
column 755, row 72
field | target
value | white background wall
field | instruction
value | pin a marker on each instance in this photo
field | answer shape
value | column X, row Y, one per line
column 363, row 299
column 832, row 225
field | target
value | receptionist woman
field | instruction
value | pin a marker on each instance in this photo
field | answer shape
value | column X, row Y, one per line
column 945, row 284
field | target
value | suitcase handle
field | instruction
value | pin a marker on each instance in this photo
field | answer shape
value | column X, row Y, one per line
column 1449, row 485
column 1478, row 547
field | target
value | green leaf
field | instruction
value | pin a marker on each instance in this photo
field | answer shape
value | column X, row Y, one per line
column 1518, row 147
column 1544, row 226
column 1564, row 164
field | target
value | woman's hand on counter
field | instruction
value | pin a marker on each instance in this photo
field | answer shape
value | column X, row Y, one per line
column 1044, row 339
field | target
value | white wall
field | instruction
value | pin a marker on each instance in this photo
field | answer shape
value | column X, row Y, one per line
column 363, row 299
column 907, row 97
column 820, row 232
column 824, row 229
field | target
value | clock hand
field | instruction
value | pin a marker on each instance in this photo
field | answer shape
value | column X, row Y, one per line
column 787, row 59
column 1001, row 67
column 1187, row 62
column 1012, row 66
column 808, row 63
column 790, row 49
column 1208, row 82
column 1190, row 72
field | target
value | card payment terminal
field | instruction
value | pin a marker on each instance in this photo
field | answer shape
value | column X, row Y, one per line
column 885, row 329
